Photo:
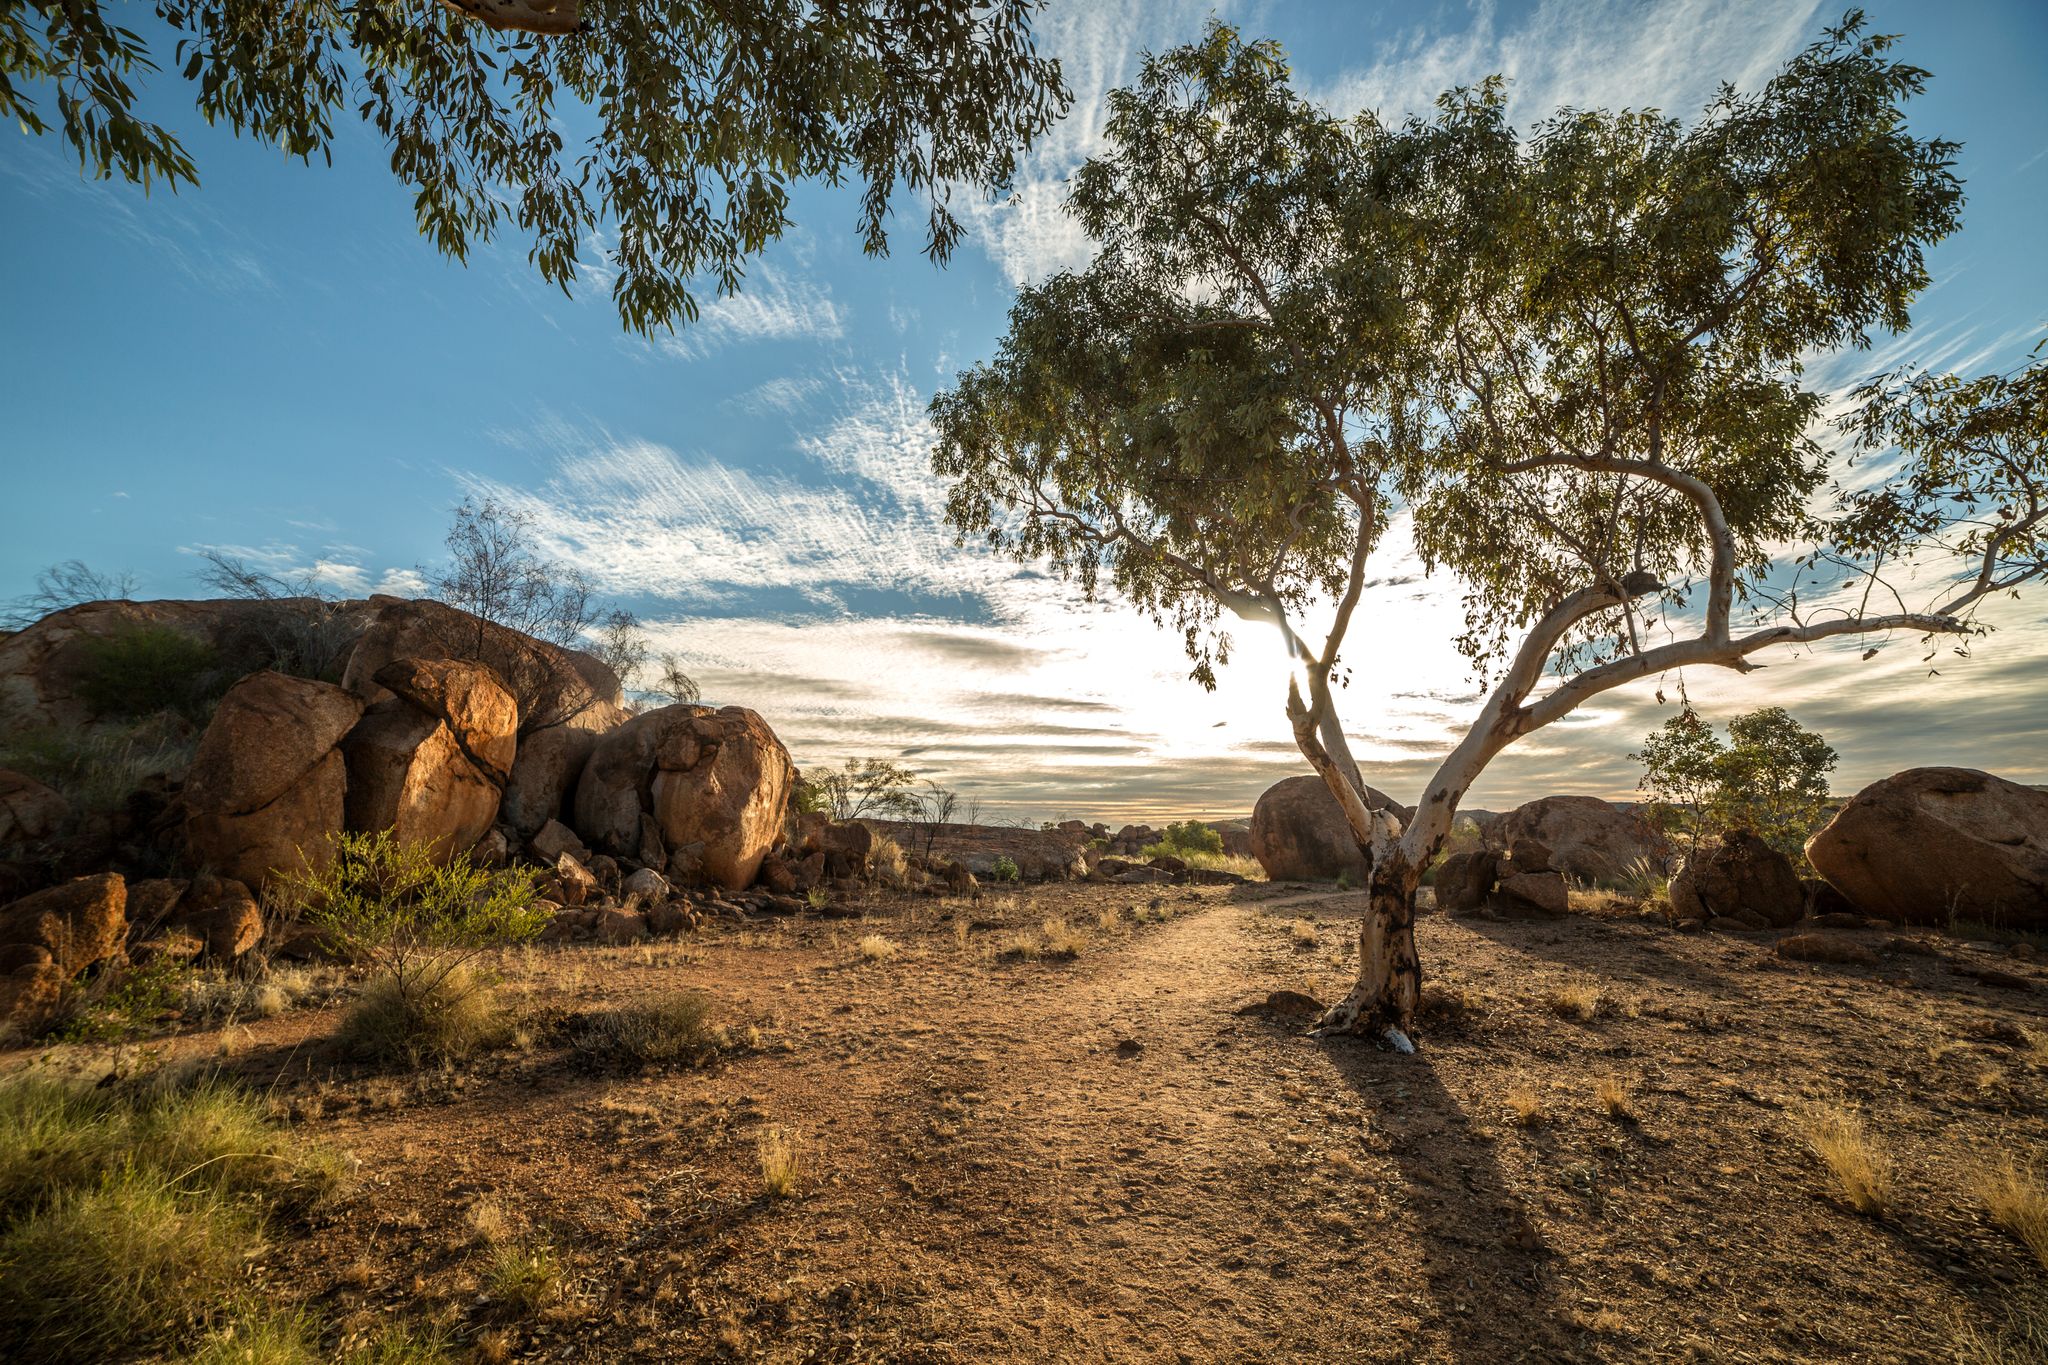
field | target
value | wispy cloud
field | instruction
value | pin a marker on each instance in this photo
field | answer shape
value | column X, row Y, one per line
column 771, row 306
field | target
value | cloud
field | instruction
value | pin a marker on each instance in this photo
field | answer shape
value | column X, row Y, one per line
column 770, row 306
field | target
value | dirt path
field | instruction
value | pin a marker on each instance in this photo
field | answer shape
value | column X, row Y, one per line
column 1105, row 1159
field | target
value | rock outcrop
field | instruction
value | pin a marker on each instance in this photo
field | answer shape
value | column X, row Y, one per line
column 1590, row 840
column 1299, row 832
column 552, row 686
column 42, row 667
column 1926, row 844
column 29, row 811
column 430, row 763
column 1743, row 879
column 544, row 774
column 50, row 937
column 266, row 788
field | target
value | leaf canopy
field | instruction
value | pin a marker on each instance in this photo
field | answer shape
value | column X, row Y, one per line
column 700, row 115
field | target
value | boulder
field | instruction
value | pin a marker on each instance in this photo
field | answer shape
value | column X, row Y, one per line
column 573, row 882
column 848, row 845
column 1464, row 880
column 717, row 783
column 544, row 773
column 1530, row 855
column 469, row 699
column 1589, row 840
column 222, row 914
column 1928, row 844
column 50, row 937
column 429, row 764
column 1542, row 893
column 1741, row 877
column 266, row 791
column 620, row 926
column 647, row 884
column 616, row 785
column 553, row 839
column 1299, row 832
column 551, row 686
column 29, row 811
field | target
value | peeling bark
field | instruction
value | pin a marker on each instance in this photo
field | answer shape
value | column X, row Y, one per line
column 522, row 16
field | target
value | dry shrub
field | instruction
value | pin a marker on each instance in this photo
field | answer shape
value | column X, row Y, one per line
column 1862, row 1174
column 1527, row 1106
column 875, row 948
column 1059, row 939
column 417, row 1017
column 1303, row 933
column 1615, row 1099
column 781, row 1161
column 891, row 868
column 1580, row 1001
column 671, row 1028
column 2017, row 1201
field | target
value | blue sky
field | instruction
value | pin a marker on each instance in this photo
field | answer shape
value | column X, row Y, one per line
column 275, row 362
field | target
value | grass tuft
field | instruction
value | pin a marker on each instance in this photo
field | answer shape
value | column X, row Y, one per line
column 524, row 1275
column 1862, row 1174
column 1303, row 933
column 670, row 1029
column 1615, row 1099
column 442, row 1016
column 1059, row 939
column 1580, row 1001
column 875, row 948
column 1527, row 1107
column 781, row 1161
column 2017, row 1201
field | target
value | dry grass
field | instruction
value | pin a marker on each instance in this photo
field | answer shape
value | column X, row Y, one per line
column 435, row 1015
column 781, row 1161
column 524, row 1275
column 1613, row 1095
column 1527, row 1106
column 1862, row 1174
column 2017, row 1201
column 875, row 948
column 2037, row 1048
column 1059, row 939
column 665, row 1029
column 1303, row 933
column 1580, row 1001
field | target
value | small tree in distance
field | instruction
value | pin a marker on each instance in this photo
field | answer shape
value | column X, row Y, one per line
column 69, row 584
column 1771, row 778
column 1570, row 367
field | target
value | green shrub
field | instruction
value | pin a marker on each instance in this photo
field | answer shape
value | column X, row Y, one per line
column 420, row 924
column 1192, row 836
column 122, row 1002
column 140, row 670
column 99, row 767
column 1004, row 869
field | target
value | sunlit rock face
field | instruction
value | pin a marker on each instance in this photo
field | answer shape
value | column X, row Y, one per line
column 1930, row 844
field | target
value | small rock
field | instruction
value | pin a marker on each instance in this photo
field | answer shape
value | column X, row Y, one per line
column 1287, row 1005
column 647, row 884
column 1821, row 948
column 1128, row 1047
column 573, row 880
column 555, row 839
column 620, row 926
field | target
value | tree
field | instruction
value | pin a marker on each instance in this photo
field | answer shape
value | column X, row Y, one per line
column 700, row 114
column 928, row 810
column 1570, row 365
column 675, row 685
column 69, row 584
column 865, row 786
column 497, row 574
column 309, row 632
column 1771, row 778
column 619, row 644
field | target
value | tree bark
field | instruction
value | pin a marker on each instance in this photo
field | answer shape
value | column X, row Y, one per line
column 1382, row 1002
column 522, row 16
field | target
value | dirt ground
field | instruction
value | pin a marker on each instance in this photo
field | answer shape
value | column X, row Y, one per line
column 1106, row 1158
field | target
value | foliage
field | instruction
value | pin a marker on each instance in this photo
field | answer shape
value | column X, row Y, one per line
column 64, row 585
column 1569, row 365
column 497, row 574
column 699, row 115
column 121, row 1002
column 675, row 685
column 872, row 787
column 1770, row 778
column 140, row 670
column 1004, row 869
column 420, row 924
column 308, row 632
column 620, row 646
column 128, row 1214
column 1187, row 837
column 97, row 768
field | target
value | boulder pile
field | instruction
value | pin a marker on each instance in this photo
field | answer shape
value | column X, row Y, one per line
column 1298, row 831
column 1524, row 883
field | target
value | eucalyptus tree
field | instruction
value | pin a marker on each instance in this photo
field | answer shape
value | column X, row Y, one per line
column 693, row 116
column 1567, row 368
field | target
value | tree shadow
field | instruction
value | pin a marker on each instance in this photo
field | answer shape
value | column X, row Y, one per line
column 1493, row 1280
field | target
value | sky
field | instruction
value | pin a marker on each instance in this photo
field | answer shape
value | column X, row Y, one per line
column 275, row 364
